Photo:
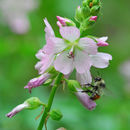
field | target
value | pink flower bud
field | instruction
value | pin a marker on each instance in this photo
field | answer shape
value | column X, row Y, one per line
column 36, row 82
column 59, row 24
column 85, row 100
column 102, row 41
column 62, row 20
column 93, row 18
column 31, row 103
column 17, row 109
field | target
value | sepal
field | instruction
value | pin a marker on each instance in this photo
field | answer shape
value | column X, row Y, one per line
column 33, row 103
column 73, row 85
column 55, row 115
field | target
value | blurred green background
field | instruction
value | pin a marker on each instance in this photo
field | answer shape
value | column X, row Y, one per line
column 17, row 60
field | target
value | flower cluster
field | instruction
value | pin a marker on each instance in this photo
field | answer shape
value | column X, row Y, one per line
column 68, row 53
column 72, row 52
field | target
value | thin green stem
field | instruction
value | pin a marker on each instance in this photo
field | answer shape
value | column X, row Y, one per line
column 50, row 101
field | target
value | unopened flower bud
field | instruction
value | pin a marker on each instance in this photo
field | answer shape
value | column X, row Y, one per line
column 56, row 115
column 64, row 22
column 102, row 41
column 79, row 15
column 87, row 23
column 36, row 82
column 86, row 11
column 93, row 18
column 17, row 109
column 86, row 2
column 59, row 24
column 96, row 2
column 85, row 100
column 95, row 10
column 31, row 103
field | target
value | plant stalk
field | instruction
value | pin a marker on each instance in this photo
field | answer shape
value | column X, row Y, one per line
column 50, row 101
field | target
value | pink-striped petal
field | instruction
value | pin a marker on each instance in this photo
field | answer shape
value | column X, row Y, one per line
column 45, row 63
column 48, row 29
column 100, row 60
column 70, row 33
column 102, row 41
column 63, row 63
column 88, row 45
column 54, row 45
column 40, row 54
column 82, row 61
column 84, row 78
column 85, row 100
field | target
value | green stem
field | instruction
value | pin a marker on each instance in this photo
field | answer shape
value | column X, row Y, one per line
column 50, row 101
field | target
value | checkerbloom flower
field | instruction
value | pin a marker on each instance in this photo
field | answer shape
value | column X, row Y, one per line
column 71, row 52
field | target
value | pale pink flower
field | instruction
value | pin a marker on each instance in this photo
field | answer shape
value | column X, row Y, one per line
column 17, row 109
column 81, row 56
column 102, row 41
column 36, row 82
column 78, row 55
column 19, row 25
column 93, row 18
column 47, row 54
column 71, row 52
column 15, row 14
column 85, row 100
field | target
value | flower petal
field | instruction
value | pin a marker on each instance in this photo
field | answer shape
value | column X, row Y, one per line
column 45, row 63
column 40, row 54
column 102, row 41
column 63, row 63
column 54, row 45
column 103, row 38
column 84, row 78
column 48, row 29
column 101, row 60
column 82, row 61
column 17, row 109
column 59, row 44
column 49, row 47
column 70, row 33
column 85, row 100
column 88, row 45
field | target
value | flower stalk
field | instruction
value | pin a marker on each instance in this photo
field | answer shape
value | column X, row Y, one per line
column 50, row 101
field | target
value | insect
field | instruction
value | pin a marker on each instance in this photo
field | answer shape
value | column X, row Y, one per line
column 96, row 90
